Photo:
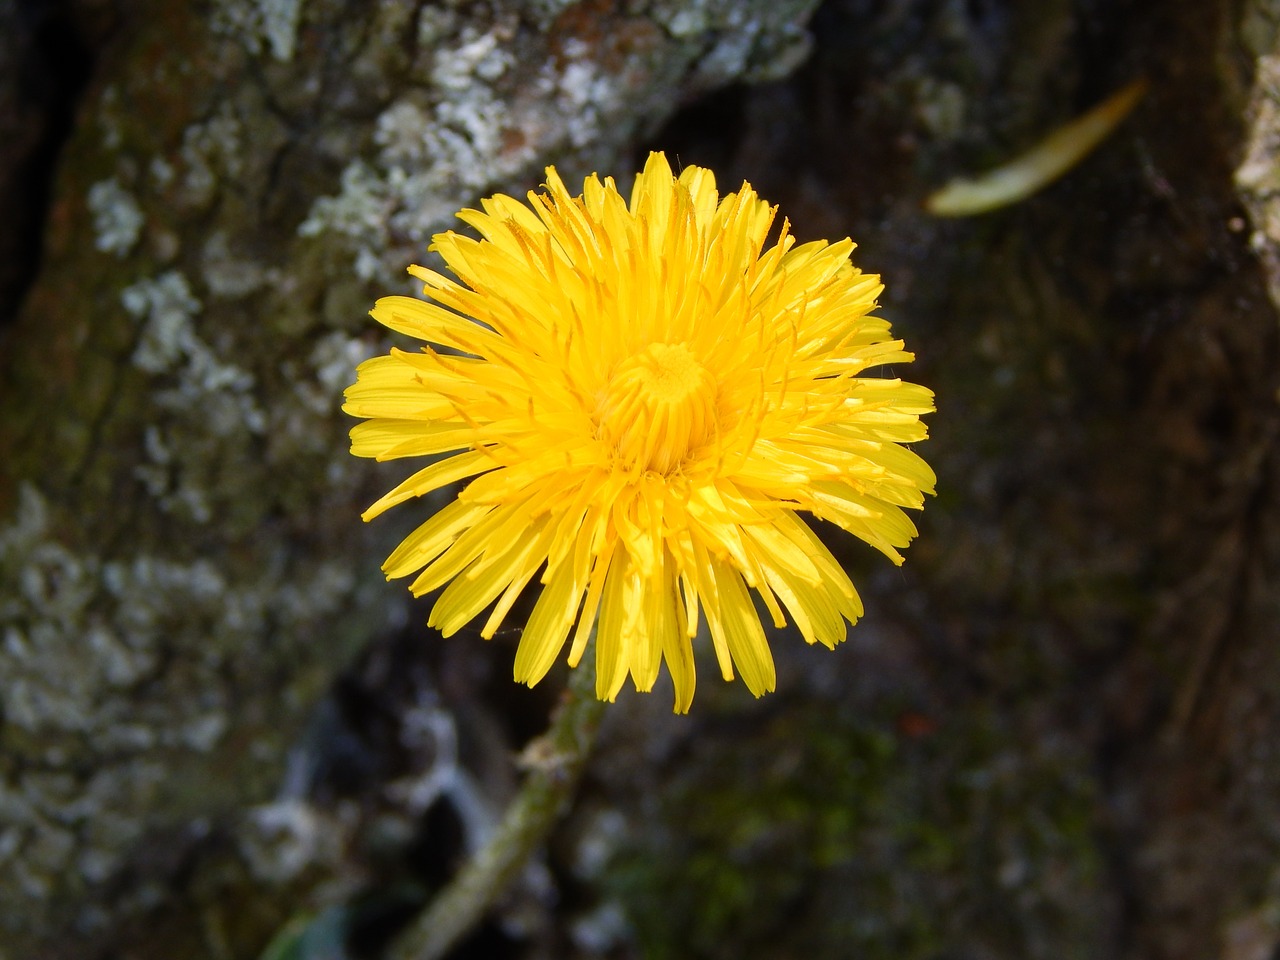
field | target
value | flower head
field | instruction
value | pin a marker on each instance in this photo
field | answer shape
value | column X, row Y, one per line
column 646, row 398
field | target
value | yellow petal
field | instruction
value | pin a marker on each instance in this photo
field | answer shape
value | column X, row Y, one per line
column 742, row 630
column 431, row 478
column 612, row 658
column 548, row 627
column 433, row 538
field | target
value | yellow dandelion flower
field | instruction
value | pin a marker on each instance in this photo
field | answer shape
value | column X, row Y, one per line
column 646, row 398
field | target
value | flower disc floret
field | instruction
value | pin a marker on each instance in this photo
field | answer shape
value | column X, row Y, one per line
column 658, row 408
column 643, row 398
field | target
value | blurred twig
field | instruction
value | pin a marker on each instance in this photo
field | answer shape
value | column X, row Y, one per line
column 556, row 760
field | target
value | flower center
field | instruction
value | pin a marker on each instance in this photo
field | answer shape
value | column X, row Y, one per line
column 659, row 406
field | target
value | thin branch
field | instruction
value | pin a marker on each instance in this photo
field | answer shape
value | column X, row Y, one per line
column 557, row 759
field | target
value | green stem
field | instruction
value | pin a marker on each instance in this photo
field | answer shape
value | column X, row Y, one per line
column 558, row 758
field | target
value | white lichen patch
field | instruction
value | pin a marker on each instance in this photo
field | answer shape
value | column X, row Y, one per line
column 161, row 171
column 203, row 733
column 435, row 153
column 169, row 344
column 583, row 94
column 270, row 25
column 361, row 207
column 731, row 54
column 167, row 307
column 400, row 132
column 333, row 359
column 544, row 12
column 602, row 930
column 280, row 19
column 218, row 392
column 683, row 20
column 1256, row 180
column 109, row 119
column 209, row 149
column 117, row 218
column 70, row 609
column 476, row 55
column 295, row 602
column 61, row 650
column 115, row 670
column 229, row 276
column 438, row 151
column 466, row 136
column 718, row 20
column 435, row 23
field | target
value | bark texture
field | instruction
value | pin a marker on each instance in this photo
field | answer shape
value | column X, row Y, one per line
column 183, row 575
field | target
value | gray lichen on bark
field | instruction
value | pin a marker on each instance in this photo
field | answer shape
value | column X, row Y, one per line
column 181, row 571
column 1257, row 177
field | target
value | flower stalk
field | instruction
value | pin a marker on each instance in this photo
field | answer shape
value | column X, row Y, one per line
column 556, row 760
